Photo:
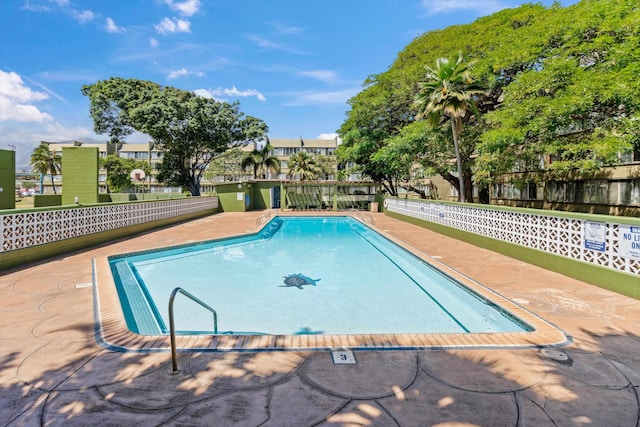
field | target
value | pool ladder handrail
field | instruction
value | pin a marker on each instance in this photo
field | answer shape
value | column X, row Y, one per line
column 265, row 217
column 172, row 327
column 363, row 216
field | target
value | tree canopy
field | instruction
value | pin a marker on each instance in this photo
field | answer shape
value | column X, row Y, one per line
column 191, row 130
column 449, row 92
column 304, row 166
column 119, row 172
column 261, row 161
column 560, row 81
column 226, row 166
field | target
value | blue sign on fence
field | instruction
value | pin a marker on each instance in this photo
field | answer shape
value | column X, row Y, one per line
column 595, row 236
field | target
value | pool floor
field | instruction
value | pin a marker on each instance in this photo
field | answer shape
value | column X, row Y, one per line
column 114, row 334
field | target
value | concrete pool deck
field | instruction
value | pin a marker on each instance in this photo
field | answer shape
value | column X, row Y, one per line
column 52, row 371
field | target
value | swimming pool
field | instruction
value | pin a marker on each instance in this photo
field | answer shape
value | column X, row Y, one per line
column 309, row 275
column 394, row 307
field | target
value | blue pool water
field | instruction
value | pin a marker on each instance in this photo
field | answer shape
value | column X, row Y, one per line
column 355, row 281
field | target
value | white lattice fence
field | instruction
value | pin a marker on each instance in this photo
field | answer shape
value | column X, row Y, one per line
column 22, row 230
column 554, row 234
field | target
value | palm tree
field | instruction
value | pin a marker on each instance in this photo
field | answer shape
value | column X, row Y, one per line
column 449, row 91
column 46, row 161
column 260, row 160
column 304, row 165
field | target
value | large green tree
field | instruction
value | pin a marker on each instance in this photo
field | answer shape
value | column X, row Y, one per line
column 45, row 161
column 377, row 114
column 577, row 101
column 190, row 130
column 560, row 81
column 226, row 166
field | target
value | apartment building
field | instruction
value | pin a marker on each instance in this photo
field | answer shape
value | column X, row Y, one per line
column 147, row 152
column 283, row 149
column 611, row 191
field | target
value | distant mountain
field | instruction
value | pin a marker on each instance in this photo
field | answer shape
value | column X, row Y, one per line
column 22, row 163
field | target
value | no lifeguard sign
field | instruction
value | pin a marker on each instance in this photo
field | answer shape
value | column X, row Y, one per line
column 629, row 242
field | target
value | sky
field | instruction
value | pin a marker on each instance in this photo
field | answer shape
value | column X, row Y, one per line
column 292, row 63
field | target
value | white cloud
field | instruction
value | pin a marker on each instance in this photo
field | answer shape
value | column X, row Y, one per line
column 221, row 93
column 111, row 26
column 64, row 5
column 16, row 100
column 268, row 44
column 153, row 42
column 311, row 97
column 262, row 42
column 283, row 29
column 27, row 138
column 57, row 132
column 326, row 76
column 445, row 6
column 331, row 135
column 186, row 8
column 173, row 26
column 183, row 72
column 177, row 73
column 35, row 7
column 84, row 16
column 17, row 107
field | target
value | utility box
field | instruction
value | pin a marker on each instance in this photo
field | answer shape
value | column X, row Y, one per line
column 373, row 207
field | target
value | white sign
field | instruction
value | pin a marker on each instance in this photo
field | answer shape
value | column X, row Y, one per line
column 239, row 197
column 595, row 236
column 629, row 242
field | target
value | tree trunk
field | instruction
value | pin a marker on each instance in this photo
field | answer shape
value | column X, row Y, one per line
column 53, row 185
column 483, row 194
column 461, row 188
column 194, row 188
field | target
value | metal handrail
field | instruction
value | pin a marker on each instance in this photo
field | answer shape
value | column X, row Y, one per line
column 172, row 327
column 266, row 217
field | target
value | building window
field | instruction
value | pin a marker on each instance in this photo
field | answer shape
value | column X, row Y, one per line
column 632, row 156
column 596, row 191
column 558, row 191
column 625, row 193
column 634, row 193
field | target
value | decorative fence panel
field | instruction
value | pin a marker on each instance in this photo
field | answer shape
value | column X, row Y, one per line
column 23, row 230
column 607, row 244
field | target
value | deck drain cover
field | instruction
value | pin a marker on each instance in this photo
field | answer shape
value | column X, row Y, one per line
column 556, row 355
column 343, row 357
column 520, row 301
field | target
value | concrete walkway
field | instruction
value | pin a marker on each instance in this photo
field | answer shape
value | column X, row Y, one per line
column 53, row 373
